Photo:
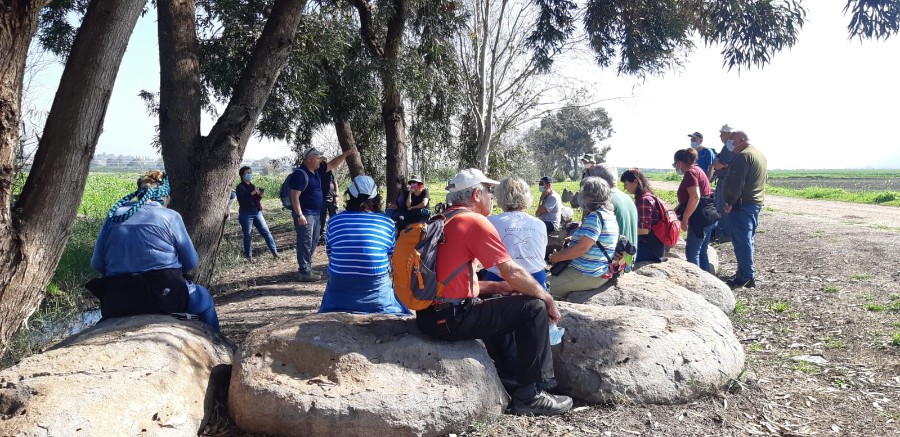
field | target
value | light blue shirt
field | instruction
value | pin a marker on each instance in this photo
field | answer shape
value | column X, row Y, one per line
column 153, row 238
column 594, row 262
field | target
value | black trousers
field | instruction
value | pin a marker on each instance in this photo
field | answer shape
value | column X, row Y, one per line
column 524, row 317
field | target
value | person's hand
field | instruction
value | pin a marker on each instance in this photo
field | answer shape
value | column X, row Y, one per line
column 552, row 311
column 727, row 208
column 350, row 152
column 301, row 220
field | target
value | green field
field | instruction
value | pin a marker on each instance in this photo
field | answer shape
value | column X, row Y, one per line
column 876, row 187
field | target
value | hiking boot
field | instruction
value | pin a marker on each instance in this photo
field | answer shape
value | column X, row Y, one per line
column 739, row 283
column 309, row 277
column 542, row 404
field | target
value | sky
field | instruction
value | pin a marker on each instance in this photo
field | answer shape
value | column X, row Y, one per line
column 828, row 102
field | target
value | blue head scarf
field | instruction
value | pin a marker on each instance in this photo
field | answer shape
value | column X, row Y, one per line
column 143, row 195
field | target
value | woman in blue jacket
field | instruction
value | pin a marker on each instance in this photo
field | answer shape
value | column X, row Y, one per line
column 141, row 244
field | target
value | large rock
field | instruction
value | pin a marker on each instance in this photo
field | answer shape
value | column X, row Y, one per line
column 650, row 293
column 712, row 254
column 693, row 278
column 360, row 375
column 609, row 354
column 141, row 375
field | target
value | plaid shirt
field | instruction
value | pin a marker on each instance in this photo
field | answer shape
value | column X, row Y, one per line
column 648, row 212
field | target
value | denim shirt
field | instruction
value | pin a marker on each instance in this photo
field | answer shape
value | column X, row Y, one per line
column 153, row 238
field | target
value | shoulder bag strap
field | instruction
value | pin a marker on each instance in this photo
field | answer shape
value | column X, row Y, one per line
column 599, row 244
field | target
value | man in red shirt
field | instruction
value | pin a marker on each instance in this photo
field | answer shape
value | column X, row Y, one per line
column 462, row 315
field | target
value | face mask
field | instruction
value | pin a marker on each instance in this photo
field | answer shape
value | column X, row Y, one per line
column 248, row 177
column 694, row 144
column 679, row 171
column 729, row 145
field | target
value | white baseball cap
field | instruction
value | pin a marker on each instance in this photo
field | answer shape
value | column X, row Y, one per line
column 363, row 185
column 311, row 151
column 726, row 129
column 468, row 178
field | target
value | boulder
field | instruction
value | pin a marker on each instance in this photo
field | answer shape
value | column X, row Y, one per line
column 677, row 251
column 360, row 375
column 610, row 354
column 651, row 293
column 140, row 375
column 691, row 277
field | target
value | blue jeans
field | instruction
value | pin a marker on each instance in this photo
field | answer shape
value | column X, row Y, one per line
column 744, row 219
column 696, row 245
column 250, row 218
column 722, row 228
column 201, row 304
column 307, row 239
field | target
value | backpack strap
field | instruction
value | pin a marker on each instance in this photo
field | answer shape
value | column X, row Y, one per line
column 599, row 244
column 447, row 217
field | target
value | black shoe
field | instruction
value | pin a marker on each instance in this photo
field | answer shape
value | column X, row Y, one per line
column 542, row 404
column 737, row 283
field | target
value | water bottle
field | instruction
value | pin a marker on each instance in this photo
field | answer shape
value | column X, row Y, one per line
column 556, row 334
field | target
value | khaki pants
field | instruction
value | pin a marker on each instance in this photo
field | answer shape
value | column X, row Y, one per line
column 572, row 280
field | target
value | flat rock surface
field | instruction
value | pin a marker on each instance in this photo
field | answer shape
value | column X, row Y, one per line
column 623, row 353
column 691, row 277
column 360, row 375
column 140, row 375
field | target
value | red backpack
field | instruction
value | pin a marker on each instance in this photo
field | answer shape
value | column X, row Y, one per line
column 668, row 228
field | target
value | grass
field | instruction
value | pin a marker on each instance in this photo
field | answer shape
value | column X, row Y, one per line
column 895, row 339
column 805, row 367
column 878, row 307
column 861, row 276
column 834, row 343
column 740, row 306
column 888, row 198
column 779, row 307
column 831, row 289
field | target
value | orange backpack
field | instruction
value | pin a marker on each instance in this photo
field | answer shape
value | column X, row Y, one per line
column 414, row 262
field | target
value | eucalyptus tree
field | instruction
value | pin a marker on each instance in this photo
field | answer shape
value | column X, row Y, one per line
column 563, row 136
column 328, row 79
column 503, row 84
column 35, row 227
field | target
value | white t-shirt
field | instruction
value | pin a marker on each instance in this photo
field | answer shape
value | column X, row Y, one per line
column 552, row 203
column 525, row 238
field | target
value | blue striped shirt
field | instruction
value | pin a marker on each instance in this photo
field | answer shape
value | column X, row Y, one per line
column 593, row 262
column 359, row 244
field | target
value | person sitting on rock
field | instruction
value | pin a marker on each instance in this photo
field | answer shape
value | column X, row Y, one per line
column 417, row 201
column 359, row 242
column 589, row 266
column 523, row 235
column 649, row 247
column 462, row 315
column 144, row 252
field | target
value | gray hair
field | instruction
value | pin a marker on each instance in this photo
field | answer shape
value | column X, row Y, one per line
column 740, row 133
column 462, row 197
column 513, row 194
column 595, row 194
column 607, row 172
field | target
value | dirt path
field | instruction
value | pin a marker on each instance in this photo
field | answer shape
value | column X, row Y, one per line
column 820, row 265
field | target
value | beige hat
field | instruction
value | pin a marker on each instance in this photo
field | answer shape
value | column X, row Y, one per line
column 468, row 178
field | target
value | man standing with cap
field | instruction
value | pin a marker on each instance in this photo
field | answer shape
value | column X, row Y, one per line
column 705, row 157
column 307, row 201
column 463, row 316
column 722, row 233
column 549, row 210
column 588, row 162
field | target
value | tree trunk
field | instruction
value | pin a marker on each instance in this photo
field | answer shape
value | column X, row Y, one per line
column 347, row 142
column 211, row 162
column 391, row 99
column 34, row 233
